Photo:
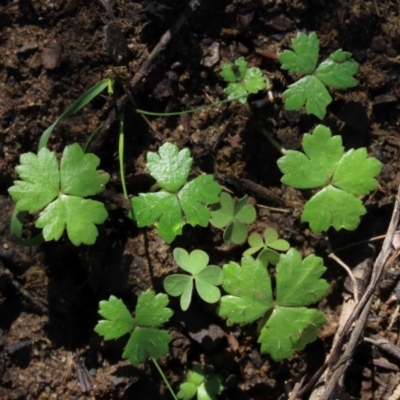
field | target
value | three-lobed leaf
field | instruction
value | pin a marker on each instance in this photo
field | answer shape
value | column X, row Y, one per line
column 287, row 325
column 146, row 339
column 343, row 176
column 60, row 191
column 337, row 71
column 178, row 203
column 242, row 80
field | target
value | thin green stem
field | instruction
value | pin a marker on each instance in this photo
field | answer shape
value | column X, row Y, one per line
column 121, row 143
column 171, row 114
column 164, row 378
column 274, row 143
column 91, row 137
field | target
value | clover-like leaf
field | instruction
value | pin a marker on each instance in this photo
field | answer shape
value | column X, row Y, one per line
column 205, row 277
column 341, row 176
column 177, row 203
column 146, row 340
column 337, row 71
column 60, row 192
column 207, row 387
column 267, row 248
column 286, row 325
column 242, row 80
column 234, row 215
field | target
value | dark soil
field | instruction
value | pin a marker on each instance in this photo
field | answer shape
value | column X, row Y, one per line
column 51, row 53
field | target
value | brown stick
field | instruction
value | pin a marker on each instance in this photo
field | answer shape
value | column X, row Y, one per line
column 98, row 141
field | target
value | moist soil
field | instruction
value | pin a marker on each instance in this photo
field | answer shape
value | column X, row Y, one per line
column 51, row 53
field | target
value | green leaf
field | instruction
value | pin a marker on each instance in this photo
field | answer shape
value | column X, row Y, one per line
column 206, row 278
column 298, row 282
column 79, row 216
column 242, row 80
column 308, row 91
column 289, row 330
column 333, row 207
column 338, row 70
column 146, row 340
column 60, row 191
column 286, row 325
column 169, row 167
column 305, row 56
column 187, row 203
column 234, row 215
column 206, row 387
column 249, row 291
column 341, row 176
column 118, row 320
column 268, row 247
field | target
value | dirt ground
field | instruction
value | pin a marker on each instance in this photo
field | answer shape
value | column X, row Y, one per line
column 53, row 51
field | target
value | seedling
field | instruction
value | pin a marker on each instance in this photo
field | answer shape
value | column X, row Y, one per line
column 267, row 247
column 206, row 278
column 286, row 324
column 233, row 215
column 60, row 190
column 146, row 339
column 177, row 203
column 337, row 72
column 342, row 177
column 243, row 81
column 197, row 382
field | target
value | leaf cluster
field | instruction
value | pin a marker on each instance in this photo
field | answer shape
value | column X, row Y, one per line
column 337, row 72
column 233, row 215
column 145, row 337
column 60, row 191
column 242, row 80
column 177, row 203
column 342, row 176
column 286, row 324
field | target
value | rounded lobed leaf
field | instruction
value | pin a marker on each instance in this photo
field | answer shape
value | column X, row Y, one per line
column 235, row 232
column 223, row 211
column 194, row 262
column 175, row 284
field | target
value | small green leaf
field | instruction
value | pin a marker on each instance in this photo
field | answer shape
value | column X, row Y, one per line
column 308, row 91
column 146, row 340
column 249, row 291
column 234, row 215
column 169, row 167
column 338, row 74
column 118, row 320
column 206, row 387
column 206, row 278
column 178, row 203
column 298, row 281
column 333, row 207
column 268, row 249
column 242, row 80
column 289, row 330
column 305, row 56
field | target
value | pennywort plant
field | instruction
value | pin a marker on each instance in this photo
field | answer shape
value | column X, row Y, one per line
column 337, row 72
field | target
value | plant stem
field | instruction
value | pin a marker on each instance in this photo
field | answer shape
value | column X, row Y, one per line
column 121, row 157
column 155, row 114
column 274, row 143
column 164, row 378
